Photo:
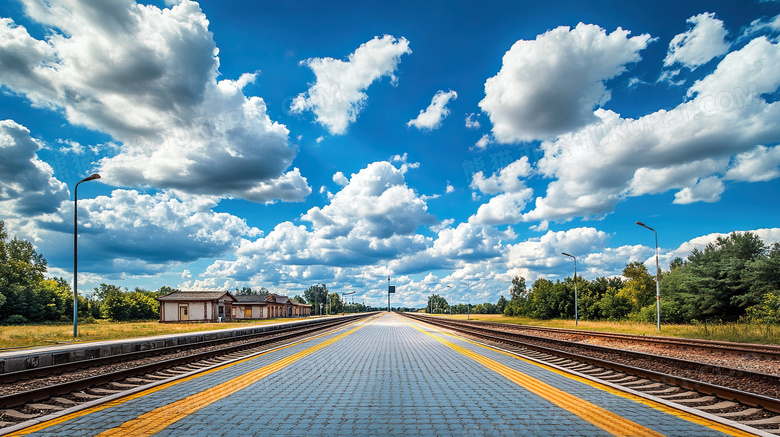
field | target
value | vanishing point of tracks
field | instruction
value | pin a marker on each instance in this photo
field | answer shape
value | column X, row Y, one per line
column 26, row 395
column 746, row 397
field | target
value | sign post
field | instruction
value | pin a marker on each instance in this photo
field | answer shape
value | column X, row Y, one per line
column 390, row 289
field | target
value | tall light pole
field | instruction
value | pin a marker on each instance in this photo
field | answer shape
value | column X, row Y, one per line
column 345, row 301
column 657, row 278
column 76, row 252
column 576, row 306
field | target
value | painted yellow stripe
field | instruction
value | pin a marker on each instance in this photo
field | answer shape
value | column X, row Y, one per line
column 160, row 418
column 721, row 427
column 604, row 419
column 115, row 402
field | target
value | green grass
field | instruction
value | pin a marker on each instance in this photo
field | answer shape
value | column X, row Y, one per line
column 734, row 332
column 24, row 336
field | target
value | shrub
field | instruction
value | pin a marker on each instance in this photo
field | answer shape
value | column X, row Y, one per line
column 16, row 319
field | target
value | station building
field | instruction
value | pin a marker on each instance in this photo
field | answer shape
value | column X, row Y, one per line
column 196, row 306
column 268, row 306
column 223, row 306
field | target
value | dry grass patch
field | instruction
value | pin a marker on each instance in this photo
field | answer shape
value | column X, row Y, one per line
column 735, row 332
column 13, row 337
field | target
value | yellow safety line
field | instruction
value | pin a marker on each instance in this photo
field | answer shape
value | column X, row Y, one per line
column 115, row 402
column 604, row 419
column 160, row 418
column 721, row 427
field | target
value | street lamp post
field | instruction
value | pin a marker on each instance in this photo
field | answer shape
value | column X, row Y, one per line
column 345, row 301
column 657, row 278
column 76, row 252
column 576, row 306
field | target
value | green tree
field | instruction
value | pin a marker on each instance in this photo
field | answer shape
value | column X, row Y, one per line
column 513, row 308
column 23, row 291
column 676, row 263
column 248, row 291
column 317, row 295
column 334, row 303
column 119, row 305
column 614, row 305
column 768, row 311
column 762, row 275
column 437, row 305
column 639, row 289
column 54, row 297
column 720, row 275
column 298, row 298
column 165, row 290
column 518, row 291
column 589, row 299
column 501, row 305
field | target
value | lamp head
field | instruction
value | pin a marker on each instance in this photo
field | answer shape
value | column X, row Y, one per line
column 645, row 226
column 564, row 253
column 91, row 177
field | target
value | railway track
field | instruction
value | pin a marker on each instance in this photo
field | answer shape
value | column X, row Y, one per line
column 640, row 372
column 763, row 351
column 29, row 404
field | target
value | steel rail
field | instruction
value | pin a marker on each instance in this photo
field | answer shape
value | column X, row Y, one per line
column 55, row 369
column 741, row 349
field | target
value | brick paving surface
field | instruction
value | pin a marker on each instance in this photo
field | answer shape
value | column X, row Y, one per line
column 386, row 378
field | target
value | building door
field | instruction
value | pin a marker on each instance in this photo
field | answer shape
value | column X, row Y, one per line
column 248, row 313
column 184, row 312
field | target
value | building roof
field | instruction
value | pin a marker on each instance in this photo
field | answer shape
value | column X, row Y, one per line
column 197, row 296
column 275, row 298
column 264, row 299
column 252, row 298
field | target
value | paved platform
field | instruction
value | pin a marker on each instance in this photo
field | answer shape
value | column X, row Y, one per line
column 45, row 356
column 382, row 376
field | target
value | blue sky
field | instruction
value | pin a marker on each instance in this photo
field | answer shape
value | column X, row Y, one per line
column 283, row 144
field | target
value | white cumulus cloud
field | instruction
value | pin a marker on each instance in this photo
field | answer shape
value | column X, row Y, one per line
column 339, row 91
column 551, row 85
column 431, row 117
column 148, row 77
column 758, row 165
column 687, row 148
column 697, row 46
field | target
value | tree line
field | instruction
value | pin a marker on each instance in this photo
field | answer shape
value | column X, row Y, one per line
column 734, row 278
column 324, row 302
column 439, row 305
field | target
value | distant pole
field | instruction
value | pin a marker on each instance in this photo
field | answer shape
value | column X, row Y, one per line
column 576, row 306
column 388, row 294
column 468, row 305
column 657, row 278
column 76, row 252
column 449, row 304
